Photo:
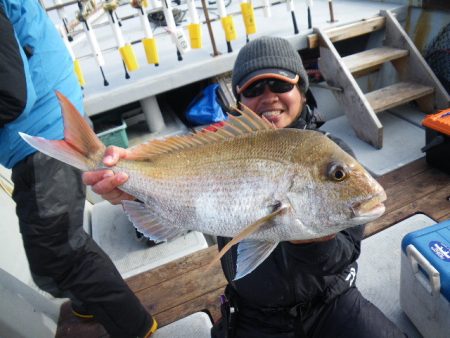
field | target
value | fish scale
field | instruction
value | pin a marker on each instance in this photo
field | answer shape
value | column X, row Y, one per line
column 219, row 191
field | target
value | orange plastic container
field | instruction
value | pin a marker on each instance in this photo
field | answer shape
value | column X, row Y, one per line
column 437, row 139
column 439, row 121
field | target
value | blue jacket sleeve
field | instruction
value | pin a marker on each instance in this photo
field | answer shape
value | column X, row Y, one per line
column 17, row 94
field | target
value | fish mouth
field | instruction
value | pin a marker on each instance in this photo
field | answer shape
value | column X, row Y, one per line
column 370, row 209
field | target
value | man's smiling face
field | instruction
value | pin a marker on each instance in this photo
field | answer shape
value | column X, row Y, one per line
column 281, row 109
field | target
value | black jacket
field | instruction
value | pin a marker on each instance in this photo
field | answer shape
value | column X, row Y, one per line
column 294, row 280
column 13, row 88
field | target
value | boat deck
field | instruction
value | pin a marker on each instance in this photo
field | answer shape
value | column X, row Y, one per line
column 185, row 286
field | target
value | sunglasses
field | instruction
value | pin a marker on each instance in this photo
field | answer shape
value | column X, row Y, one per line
column 275, row 86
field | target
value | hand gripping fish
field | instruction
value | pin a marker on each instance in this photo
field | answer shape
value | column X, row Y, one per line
column 246, row 180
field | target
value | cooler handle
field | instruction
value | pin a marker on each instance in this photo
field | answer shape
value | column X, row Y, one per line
column 434, row 277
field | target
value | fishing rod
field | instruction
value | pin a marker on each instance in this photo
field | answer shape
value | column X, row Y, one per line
column 129, row 59
column 227, row 24
column 330, row 7
column 267, row 8
column 248, row 15
column 195, row 27
column 155, row 4
column 76, row 63
column 82, row 17
column 178, row 36
column 290, row 7
column 210, row 31
column 62, row 15
column 149, row 41
column 309, row 4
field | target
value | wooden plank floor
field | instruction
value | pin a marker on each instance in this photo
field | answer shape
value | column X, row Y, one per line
column 185, row 286
column 414, row 188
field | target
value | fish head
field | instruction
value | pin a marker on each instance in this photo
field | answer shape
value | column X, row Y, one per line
column 330, row 190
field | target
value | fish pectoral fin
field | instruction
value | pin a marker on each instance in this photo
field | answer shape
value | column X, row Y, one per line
column 248, row 231
column 148, row 223
column 250, row 254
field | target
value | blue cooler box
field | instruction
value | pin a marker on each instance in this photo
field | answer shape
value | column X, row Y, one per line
column 425, row 279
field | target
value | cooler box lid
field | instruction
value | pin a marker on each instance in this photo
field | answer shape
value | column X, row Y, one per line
column 433, row 243
column 439, row 121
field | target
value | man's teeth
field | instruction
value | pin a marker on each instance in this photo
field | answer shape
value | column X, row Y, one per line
column 271, row 113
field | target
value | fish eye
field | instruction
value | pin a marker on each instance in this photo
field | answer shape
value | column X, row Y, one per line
column 337, row 172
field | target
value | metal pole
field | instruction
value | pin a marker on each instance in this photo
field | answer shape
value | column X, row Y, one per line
column 210, row 31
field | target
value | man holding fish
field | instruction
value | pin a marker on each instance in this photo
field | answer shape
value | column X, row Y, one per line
column 305, row 288
column 49, row 195
column 286, row 203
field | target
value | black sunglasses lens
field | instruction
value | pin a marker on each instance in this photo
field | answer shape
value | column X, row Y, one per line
column 255, row 89
column 278, row 86
column 275, row 86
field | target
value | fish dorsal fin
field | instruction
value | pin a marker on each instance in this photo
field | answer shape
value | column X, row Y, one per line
column 248, row 231
column 250, row 254
column 247, row 123
column 146, row 221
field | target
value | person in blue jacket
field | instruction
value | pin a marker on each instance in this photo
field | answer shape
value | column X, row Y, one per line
column 49, row 195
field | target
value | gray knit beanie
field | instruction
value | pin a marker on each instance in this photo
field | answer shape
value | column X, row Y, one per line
column 267, row 53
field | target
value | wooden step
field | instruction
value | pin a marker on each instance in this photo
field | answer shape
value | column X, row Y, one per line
column 349, row 31
column 396, row 95
column 372, row 58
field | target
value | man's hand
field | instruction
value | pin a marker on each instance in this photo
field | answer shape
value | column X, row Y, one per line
column 105, row 182
column 315, row 240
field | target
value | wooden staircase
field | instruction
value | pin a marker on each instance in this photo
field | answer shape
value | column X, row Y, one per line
column 415, row 81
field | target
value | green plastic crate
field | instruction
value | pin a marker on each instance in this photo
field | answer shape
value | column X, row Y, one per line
column 116, row 136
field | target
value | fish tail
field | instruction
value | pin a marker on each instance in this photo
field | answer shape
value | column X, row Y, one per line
column 81, row 148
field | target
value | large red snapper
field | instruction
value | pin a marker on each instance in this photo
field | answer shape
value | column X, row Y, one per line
column 245, row 180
